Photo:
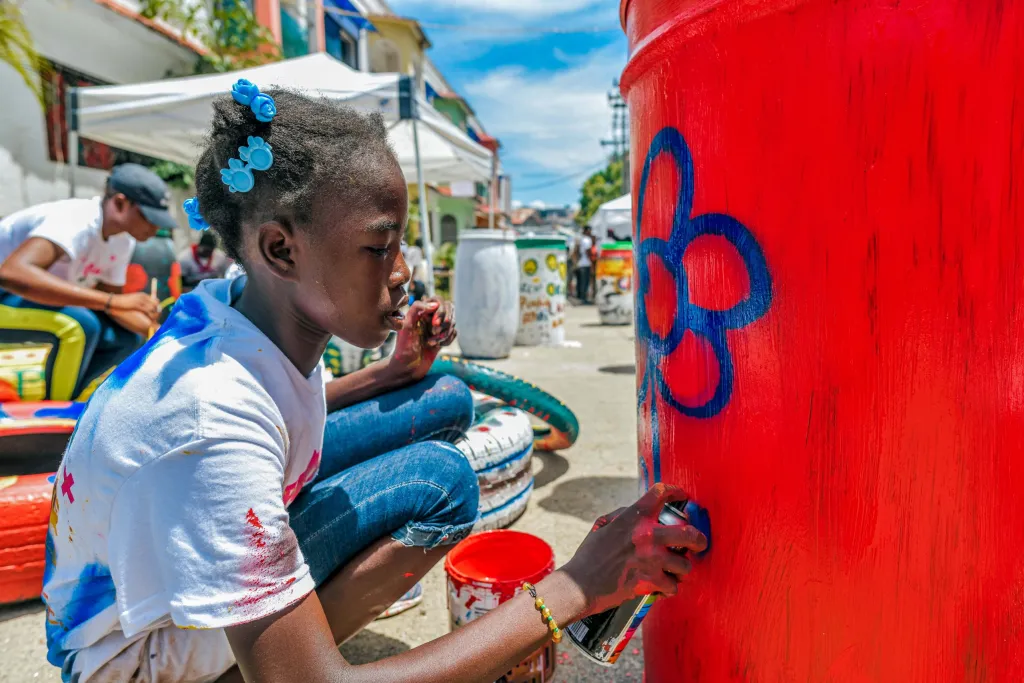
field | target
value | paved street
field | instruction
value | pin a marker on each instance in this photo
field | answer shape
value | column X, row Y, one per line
column 572, row 488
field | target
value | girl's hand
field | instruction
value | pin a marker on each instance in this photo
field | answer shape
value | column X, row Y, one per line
column 628, row 553
column 429, row 325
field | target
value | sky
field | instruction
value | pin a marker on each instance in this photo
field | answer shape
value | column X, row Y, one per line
column 545, row 96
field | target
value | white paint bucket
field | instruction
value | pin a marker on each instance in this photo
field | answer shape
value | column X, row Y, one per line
column 542, row 271
column 486, row 292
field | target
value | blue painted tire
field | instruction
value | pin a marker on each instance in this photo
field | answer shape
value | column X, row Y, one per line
column 503, row 504
column 499, row 444
column 565, row 428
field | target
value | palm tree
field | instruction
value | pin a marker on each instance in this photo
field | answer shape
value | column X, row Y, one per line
column 16, row 47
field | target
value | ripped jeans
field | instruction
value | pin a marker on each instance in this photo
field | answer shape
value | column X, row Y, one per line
column 388, row 468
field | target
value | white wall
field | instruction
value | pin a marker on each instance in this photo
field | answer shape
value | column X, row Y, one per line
column 96, row 41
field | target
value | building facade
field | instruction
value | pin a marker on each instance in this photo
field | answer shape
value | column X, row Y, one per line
column 99, row 42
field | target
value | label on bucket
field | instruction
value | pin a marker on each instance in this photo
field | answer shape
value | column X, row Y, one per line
column 468, row 601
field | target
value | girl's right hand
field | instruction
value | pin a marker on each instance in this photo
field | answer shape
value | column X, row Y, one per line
column 627, row 554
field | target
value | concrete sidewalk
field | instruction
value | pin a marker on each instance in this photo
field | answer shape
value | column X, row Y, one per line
column 572, row 489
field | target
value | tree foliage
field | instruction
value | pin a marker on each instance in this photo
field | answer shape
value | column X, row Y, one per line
column 226, row 28
column 17, row 49
column 603, row 186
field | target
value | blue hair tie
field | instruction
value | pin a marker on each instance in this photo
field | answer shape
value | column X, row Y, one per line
column 247, row 94
column 257, row 156
column 195, row 219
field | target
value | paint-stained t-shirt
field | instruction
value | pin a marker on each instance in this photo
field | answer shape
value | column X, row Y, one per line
column 74, row 225
column 170, row 506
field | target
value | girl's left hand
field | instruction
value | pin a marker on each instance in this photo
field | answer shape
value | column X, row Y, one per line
column 429, row 325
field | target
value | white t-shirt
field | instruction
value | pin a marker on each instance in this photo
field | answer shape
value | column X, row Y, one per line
column 585, row 245
column 417, row 264
column 170, row 506
column 233, row 271
column 74, row 226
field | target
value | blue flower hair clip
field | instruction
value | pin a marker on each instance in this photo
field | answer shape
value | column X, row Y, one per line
column 247, row 94
column 195, row 219
column 257, row 156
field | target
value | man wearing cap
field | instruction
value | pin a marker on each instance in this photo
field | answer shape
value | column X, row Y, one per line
column 71, row 257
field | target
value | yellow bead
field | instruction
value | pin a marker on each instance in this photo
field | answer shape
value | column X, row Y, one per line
column 553, row 626
column 556, row 636
column 545, row 612
column 539, row 603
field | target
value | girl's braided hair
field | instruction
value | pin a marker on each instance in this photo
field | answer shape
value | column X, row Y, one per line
column 320, row 148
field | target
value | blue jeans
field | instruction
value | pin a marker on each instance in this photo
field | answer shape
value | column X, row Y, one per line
column 106, row 342
column 388, row 467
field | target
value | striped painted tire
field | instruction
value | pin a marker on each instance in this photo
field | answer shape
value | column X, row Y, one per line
column 24, row 517
column 499, row 444
column 502, row 504
column 565, row 428
column 33, row 435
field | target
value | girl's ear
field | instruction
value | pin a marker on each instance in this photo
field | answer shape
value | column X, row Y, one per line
column 276, row 247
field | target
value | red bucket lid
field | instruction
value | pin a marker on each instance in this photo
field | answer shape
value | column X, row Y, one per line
column 500, row 557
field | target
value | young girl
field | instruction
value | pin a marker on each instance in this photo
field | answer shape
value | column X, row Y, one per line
column 202, row 520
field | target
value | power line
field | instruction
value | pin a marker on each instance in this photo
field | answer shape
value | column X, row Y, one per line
column 565, row 178
column 493, row 30
column 620, row 132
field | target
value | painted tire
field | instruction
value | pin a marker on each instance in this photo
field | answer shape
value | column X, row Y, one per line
column 502, row 505
column 33, row 435
column 24, row 517
column 565, row 428
column 342, row 358
column 499, row 444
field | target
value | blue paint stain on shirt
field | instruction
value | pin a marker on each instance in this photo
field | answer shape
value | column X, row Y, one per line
column 188, row 317
column 93, row 592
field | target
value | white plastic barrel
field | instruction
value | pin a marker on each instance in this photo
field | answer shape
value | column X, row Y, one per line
column 541, row 290
column 487, row 292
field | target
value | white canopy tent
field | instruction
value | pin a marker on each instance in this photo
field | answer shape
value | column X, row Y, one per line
column 616, row 215
column 170, row 118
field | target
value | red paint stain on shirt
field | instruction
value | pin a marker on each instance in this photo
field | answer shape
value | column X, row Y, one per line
column 256, row 538
column 271, row 557
column 253, row 597
column 291, row 492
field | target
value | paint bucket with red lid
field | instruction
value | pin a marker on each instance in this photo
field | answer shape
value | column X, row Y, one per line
column 490, row 568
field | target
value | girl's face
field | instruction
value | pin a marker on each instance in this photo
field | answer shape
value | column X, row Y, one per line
column 355, row 274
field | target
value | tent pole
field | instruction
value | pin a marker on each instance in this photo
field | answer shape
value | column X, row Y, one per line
column 408, row 109
column 71, row 116
column 428, row 241
column 494, row 189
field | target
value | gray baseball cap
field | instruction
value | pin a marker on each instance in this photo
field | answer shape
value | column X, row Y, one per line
column 146, row 190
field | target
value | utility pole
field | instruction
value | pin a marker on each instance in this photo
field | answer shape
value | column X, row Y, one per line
column 619, row 141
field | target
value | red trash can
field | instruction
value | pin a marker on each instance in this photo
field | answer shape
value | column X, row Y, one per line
column 829, row 230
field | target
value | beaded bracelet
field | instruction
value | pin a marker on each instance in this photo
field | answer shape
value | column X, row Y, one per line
column 556, row 633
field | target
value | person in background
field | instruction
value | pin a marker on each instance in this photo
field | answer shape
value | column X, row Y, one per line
column 609, row 238
column 70, row 257
column 418, row 266
column 202, row 261
column 584, row 264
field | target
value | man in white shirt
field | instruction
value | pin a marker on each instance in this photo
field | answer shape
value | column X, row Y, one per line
column 70, row 258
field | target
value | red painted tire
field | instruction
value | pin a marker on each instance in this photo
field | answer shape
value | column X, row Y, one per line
column 24, row 517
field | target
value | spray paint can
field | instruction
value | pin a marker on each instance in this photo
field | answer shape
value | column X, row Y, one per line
column 602, row 637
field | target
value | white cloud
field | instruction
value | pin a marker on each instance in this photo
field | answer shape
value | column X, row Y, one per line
column 516, row 204
column 538, row 204
column 551, row 121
